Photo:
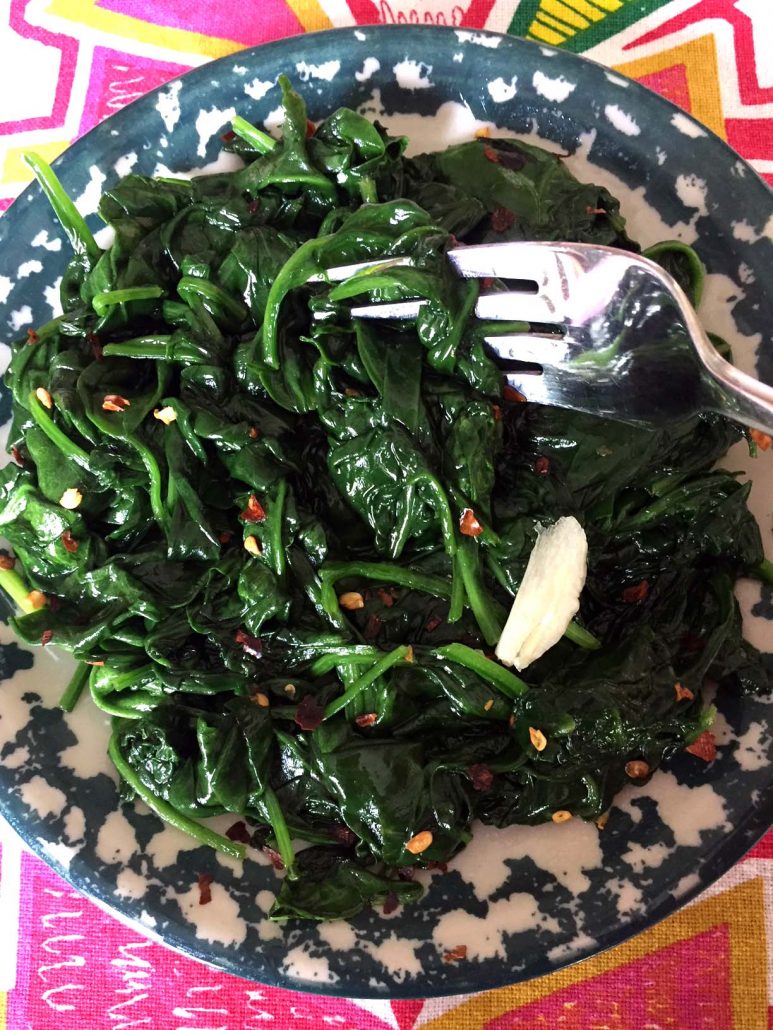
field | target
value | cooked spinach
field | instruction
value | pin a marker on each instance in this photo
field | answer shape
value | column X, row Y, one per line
column 281, row 542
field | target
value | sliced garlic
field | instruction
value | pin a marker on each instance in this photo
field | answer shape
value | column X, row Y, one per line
column 549, row 595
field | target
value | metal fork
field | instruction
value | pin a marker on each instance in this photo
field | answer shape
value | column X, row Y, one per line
column 608, row 332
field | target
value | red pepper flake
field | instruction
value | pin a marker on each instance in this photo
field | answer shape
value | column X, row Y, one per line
column 225, row 537
column 468, row 524
column 482, row 777
column 343, row 835
column 16, row 455
column 46, row 636
column 7, row 562
column 226, row 137
column 252, row 645
column 387, row 598
column 513, row 395
column 457, row 954
column 542, row 465
column 491, row 155
column 349, row 391
column 32, row 336
column 440, row 867
column 100, row 664
column 637, row 592
column 205, row 883
column 114, row 402
column 704, row 747
column 253, row 432
column 391, row 903
column 763, row 440
column 502, row 219
column 274, row 857
column 366, row 720
column 309, row 713
column 311, row 128
column 69, row 542
column 683, row 693
column 497, row 412
column 406, row 873
column 595, row 211
column 487, row 282
column 238, row 832
column 372, row 627
column 254, row 512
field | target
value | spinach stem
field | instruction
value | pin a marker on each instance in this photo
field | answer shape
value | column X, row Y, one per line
column 257, row 139
column 356, row 654
column 102, row 302
column 494, row 673
column 166, row 812
column 76, row 230
column 151, row 348
column 55, row 434
column 13, row 584
column 765, row 570
column 582, row 637
column 74, row 688
column 284, row 843
column 385, row 572
column 456, row 608
column 391, row 658
column 488, row 612
column 276, row 516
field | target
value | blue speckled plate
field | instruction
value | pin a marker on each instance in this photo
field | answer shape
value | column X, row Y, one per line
column 524, row 900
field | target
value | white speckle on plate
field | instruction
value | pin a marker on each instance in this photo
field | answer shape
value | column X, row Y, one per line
column 168, row 104
column 555, row 90
column 165, row 846
column 326, row 71
column 579, row 943
column 105, row 237
column 224, row 162
column 300, row 965
column 274, row 119
column 478, row 38
column 219, row 921
column 57, row 852
column 485, row 936
column 129, row 884
column 88, row 202
column 622, row 122
column 412, row 74
column 547, row 52
column 369, row 68
column 641, row 857
column 258, row 88
column 265, row 899
column 16, row 758
column 687, row 884
column 628, row 896
column 687, row 811
column 687, row 126
column 240, row 69
column 28, row 267
column 745, row 232
column 116, row 840
column 745, row 274
column 53, row 298
column 125, row 163
column 616, row 80
column 74, row 825
column 459, row 57
column 42, row 798
column 20, row 318
column 501, row 91
column 360, row 35
column 208, row 123
column 6, row 285
column 338, row 935
column 269, row 931
column 692, row 192
column 41, row 240
column 660, row 155
column 397, row 954
column 452, row 123
column 752, row 750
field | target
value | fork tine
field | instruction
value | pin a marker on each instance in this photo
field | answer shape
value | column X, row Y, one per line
column 404, row 309
column 531, row 261
column 512, row 307
column 533, row 347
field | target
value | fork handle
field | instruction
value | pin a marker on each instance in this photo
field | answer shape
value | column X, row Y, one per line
column 736, row 394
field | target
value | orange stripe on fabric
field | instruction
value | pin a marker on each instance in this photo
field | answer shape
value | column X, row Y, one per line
column 310, row 14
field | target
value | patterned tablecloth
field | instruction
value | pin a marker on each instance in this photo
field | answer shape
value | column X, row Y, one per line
column 64, row 963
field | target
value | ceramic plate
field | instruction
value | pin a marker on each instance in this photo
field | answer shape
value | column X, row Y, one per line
column 524, row 900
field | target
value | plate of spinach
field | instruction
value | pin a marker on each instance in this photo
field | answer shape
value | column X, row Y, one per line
column 261, row 554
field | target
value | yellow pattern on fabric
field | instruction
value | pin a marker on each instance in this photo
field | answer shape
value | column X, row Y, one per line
column 701, row 66
column 3, row 1010
column 310, row 14
column 14, row 168
column 741, row 909
column 557, row 20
